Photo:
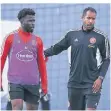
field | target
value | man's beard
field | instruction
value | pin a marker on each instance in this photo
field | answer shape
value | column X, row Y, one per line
column 88, row 27
column 29, row 30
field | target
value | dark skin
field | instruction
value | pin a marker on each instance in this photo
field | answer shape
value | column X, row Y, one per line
column 27, row 24
column 89, row 20
column 88, row 23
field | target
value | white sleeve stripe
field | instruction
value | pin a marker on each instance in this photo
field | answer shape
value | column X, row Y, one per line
column 69, row 55
column 106, row 42
column 98, row 58
column 107, row 48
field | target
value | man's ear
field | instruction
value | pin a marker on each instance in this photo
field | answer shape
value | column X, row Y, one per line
column 21, row 20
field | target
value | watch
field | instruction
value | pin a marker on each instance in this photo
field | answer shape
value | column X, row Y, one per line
column 101, row 77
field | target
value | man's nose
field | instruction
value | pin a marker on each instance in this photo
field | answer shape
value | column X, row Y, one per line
column 91, row 20
column 32, row 23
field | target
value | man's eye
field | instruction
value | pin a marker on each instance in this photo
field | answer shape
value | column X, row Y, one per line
column 88, row 18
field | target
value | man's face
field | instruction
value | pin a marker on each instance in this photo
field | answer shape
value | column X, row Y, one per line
column 89, row 20
column 28, row 23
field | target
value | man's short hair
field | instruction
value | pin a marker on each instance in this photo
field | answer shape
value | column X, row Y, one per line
column 88, row 9
column 26, row 11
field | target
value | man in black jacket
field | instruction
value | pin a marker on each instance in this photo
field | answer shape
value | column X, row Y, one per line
column 89, row 62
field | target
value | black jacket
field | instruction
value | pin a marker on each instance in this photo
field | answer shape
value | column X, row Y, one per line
column 89, row 56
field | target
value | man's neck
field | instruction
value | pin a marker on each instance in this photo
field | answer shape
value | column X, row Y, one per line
column 86, row 30
column 23, row 30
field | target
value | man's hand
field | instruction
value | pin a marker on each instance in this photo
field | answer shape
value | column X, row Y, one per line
column 97, row 85
column 45, row 101
column 46, row 59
